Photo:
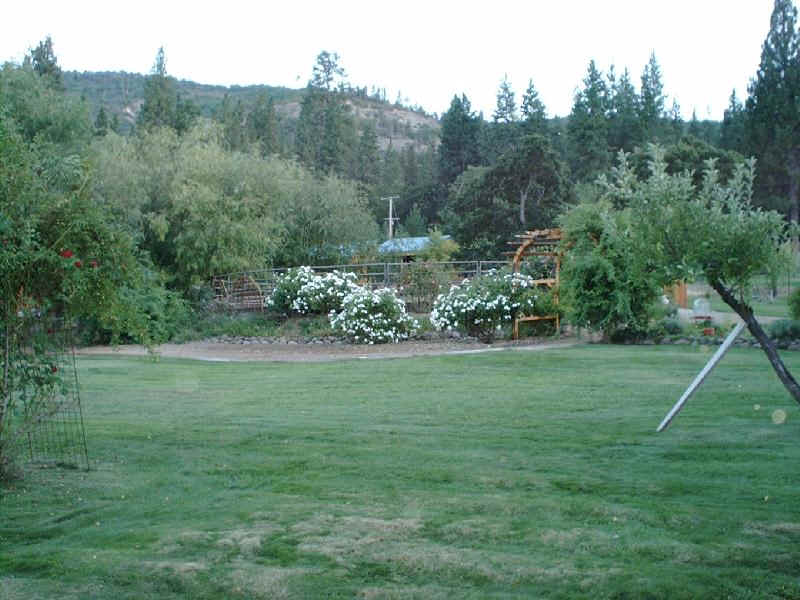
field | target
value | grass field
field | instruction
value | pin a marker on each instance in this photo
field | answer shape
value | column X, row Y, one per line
column 498, row 475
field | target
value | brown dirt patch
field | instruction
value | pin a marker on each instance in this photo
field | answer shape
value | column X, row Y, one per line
column 299, row 352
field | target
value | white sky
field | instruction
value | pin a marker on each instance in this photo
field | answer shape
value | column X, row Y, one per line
column 427, row 50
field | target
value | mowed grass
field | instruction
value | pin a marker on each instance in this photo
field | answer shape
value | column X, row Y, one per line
column 498, row 475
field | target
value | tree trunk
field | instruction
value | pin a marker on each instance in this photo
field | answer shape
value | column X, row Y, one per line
column 746, row 313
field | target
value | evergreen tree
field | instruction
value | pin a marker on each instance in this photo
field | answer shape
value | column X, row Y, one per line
column 773, row 118
column 506, row 111
column 325, row 132
column 651, row 106
column 624, row 129
column 160, row 97
column 587, row 129
column 45, row 64
column 367, row 157
column 733, row 134
column 186, row 113
column 233, row 124
column 534, row 113
column 694, row 126
column 459, row 140
column 262, row 125
column 101, row 122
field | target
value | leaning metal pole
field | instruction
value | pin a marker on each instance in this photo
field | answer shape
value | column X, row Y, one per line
column 698, row 381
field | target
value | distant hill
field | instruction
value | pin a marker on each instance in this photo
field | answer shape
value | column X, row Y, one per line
column 122, row 94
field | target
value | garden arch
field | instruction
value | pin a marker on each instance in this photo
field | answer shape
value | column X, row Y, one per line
column 543, row 243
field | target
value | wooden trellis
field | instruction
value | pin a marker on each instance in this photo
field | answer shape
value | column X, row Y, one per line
column 543, row 243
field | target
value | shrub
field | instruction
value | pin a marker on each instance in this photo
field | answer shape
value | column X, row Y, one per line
column 287, row 288
column 323, row 293
column 377, row 317
column 421, row 283
column 794, row 304
column 481, row 305
column 784, row 329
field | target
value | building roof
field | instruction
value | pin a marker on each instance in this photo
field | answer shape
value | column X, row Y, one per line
column 406, row 245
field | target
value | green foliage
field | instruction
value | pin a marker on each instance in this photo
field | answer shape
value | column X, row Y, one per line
column 712, row 231
column 587, row 128
column 605, row 284
column 459, row 140
column 772, row 118
column 59, row 258
column 440, row 248
column 487, row 206
column 784, row 329
column 421, row 282
column 200, row 210
column 794, row 304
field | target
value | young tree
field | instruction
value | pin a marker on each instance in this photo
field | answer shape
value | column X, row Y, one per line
column 683, row 231
column 506, row 111
column 773, row 118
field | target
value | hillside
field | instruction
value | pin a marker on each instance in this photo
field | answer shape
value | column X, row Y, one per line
column 122, row 93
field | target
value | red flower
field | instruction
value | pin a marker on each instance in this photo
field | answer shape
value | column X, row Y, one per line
column 93, row 264
column 66, row 254
column 53, row 368
column 78, row 264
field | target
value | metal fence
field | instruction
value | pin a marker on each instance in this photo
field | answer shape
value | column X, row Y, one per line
column 246, row 290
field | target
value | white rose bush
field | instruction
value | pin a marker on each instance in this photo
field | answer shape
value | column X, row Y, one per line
column 377, row 317
column 363, row 316
column 482, row 305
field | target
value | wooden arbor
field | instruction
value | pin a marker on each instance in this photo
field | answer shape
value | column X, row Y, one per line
column 543, row 243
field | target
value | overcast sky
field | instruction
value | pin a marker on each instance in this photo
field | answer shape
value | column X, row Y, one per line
column 428, row 51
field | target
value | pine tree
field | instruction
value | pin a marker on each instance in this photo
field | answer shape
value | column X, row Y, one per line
column 651, row 106
column 773, row 118
column 624, row 129
column 262, row 125
column 101, row 122
column 587, row 129
column 44, row 62
column 506, row 111
column 534, row 113
column 733, row 135
column 459, row 140
column 324, row 130
column 160, row 97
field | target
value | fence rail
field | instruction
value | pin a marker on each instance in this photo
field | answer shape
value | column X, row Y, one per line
column 246, row 290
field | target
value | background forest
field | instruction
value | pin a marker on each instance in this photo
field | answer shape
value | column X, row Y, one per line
column 206, row 179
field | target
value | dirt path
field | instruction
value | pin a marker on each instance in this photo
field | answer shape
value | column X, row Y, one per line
column 299, row 352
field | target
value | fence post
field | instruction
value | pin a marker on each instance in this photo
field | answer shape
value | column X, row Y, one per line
column 385, row 274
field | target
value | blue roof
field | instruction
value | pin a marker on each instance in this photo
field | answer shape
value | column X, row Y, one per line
column 406, row 245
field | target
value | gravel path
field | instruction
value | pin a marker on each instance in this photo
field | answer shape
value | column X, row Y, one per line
column 254, row 350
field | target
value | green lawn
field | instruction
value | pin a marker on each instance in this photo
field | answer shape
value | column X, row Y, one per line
column 497, row 475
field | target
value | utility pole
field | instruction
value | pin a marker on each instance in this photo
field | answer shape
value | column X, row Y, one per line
column 391, row 218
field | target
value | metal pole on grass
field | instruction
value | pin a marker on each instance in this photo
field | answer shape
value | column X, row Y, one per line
column 698, row 381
